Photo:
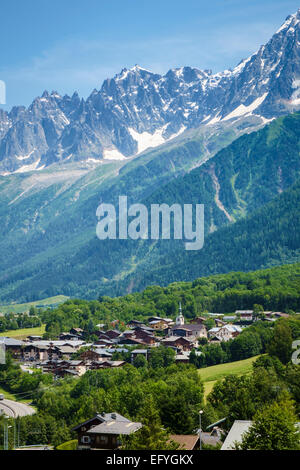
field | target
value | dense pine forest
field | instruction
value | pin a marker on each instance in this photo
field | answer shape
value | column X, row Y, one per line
column 255, row 178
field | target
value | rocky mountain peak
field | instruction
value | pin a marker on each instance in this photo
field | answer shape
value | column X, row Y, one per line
column 138, row 109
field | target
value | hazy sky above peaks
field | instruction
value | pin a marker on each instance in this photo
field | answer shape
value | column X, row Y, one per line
column 68, row 45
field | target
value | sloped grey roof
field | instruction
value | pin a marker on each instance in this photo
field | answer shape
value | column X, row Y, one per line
column 102, row 352
column 11, row 341
column 176, row 338
column 66, row 349
column 115, row 427
column 189, row 327
column 236, row 433
column 238, row 429
column 66, row 342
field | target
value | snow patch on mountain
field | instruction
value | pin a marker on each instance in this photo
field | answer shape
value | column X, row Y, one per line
column 26, row 168
column 242, row 109
column 112, row 154
column 146, row 140
column 25, row 157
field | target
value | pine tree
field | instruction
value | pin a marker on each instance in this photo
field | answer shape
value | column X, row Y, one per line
column 274, row 428
column 281, row 344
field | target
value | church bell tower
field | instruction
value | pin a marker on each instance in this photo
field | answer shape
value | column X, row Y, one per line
column 180, row 318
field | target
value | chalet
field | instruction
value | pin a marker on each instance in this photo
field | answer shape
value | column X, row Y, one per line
column 119, row 350
column 76, row 344
column 60, row 368
column 111, row 364
column 245, row 315
column 149, row 340
column 145, row 329
column 244, row 312
column 133, row 323
column 153, row 320
column 43, row 350
column 105, row 364
column 112, row 334
column 159, row 324
column 224, row 333
column 94, row 365
column 67, row 337
column 179, row 342
column 104, row 431
column 76, row 331
column 130, row 341
column 14, row 346
column 105, row 343
column 139, row 352
column 73, row 368
column 34, row 338
column 182, row 358
column 191, row 330
column 95, row 355
column 39, row 352
column 145, row 337
column 65, row 351
column 127, row 334
column 101, row 335
column 54, row 366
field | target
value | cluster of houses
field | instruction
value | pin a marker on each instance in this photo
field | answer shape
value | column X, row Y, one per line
column 248, row 316
column 105, row 431
column 72, row 355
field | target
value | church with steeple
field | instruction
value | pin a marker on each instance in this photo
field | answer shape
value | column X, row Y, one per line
column 180, row 318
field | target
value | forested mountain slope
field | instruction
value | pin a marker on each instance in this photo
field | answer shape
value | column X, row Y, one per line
column 241, row 178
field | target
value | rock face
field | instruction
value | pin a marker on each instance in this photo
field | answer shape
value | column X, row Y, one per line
column 138, row 109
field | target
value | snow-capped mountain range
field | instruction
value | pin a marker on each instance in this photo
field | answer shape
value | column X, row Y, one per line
column 138, row 109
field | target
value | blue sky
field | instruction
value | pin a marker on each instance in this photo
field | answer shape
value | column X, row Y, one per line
column 69, row 45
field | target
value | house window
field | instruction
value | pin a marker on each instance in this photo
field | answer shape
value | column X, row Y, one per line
column 104, row 439
column 85, row 439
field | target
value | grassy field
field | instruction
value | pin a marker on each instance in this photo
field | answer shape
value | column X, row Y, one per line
column 210, row 375
column 21, row 308
column 70, row 445
column 10, row 396
column 23, row 333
